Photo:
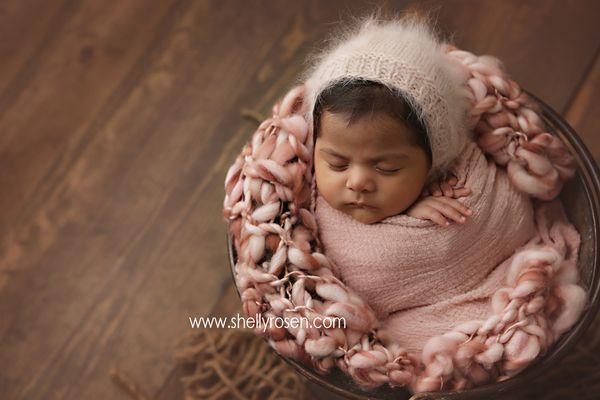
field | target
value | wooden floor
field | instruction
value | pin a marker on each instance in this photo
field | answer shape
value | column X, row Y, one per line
column 118, row 121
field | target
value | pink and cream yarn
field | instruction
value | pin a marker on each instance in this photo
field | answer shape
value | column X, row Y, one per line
column 508, row 127
column 281, row 270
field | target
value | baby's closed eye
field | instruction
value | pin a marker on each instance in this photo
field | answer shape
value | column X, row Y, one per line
column 385, row 169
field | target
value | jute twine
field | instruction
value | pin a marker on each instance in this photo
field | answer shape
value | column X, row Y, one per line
column 227, row 364
column 236, row 364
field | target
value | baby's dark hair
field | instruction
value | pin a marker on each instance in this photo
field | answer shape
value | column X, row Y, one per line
column 357, row 97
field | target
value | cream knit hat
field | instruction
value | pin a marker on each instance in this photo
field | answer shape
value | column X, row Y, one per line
column 403, row 54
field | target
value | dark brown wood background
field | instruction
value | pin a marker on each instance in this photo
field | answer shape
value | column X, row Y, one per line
column 118, row 121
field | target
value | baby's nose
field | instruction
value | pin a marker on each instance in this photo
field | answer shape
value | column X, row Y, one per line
column 359, row 180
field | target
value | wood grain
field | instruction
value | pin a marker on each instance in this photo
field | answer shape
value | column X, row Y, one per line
column 118, row 121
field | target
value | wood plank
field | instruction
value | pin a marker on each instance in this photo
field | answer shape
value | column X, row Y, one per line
column 23, row 44
column 74, row 81
column 584, row 113
column 48, row 334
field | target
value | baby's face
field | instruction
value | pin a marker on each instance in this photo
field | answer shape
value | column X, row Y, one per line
column 371, row 162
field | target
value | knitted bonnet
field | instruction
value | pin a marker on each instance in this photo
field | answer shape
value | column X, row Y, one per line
column 405, row 55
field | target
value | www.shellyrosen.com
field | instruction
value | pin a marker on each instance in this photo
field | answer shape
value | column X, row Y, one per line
column 260, row 322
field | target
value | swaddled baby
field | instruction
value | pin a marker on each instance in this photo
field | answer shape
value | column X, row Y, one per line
column 411, row 213
column 372, row 160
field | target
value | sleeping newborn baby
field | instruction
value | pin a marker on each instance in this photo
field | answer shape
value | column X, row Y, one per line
column 391, row 234
column 411, row 213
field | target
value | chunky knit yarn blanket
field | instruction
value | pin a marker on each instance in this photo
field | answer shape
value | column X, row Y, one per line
column 491, row 295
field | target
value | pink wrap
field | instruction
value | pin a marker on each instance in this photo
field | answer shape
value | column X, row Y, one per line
column 422, row 279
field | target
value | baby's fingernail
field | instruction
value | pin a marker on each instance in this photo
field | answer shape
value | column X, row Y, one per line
column 447, row 223
column 462, row 218
column 469, row 212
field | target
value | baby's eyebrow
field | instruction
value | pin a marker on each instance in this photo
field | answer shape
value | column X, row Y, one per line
column 381, row 157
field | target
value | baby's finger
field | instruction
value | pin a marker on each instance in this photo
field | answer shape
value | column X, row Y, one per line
column 437, row 217
column 462, row 192
column 450, row 212
column 447, row 189
column 455, row 204
column 452, row 181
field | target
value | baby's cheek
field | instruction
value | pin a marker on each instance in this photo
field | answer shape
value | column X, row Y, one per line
column 329, row 187
column 328, row 183
column 398, row 195
column 322, row 177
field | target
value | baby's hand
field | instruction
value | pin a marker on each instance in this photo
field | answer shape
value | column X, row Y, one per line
column 447, row 189
column 437, row 209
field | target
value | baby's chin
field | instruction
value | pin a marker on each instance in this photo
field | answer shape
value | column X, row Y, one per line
column 365, row 215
